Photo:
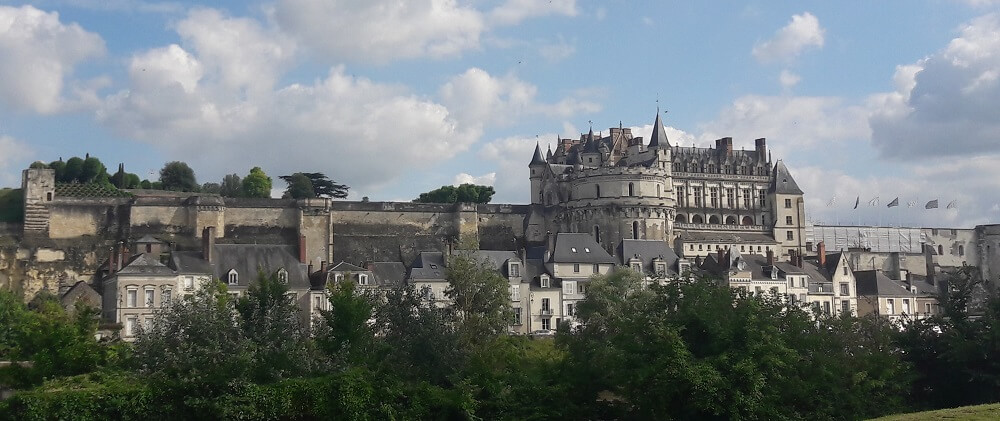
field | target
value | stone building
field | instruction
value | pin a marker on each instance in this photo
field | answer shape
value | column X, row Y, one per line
column 619, row 187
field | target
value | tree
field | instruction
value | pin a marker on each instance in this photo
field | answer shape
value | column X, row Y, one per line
column 231, row 186
column 481, row 297
column 145, row 184
column 132, row 181
column 178, row 176
column 324, row 187
column 73, row 170
column 60, row 169
column 299, row 186
column 38, row 165
column 270, row 322
column 212, row 188
column 92, row 170
column 465, row 193
column 257, row 184
column 344, row 333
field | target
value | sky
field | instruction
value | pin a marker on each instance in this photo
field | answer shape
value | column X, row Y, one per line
column 860, row 99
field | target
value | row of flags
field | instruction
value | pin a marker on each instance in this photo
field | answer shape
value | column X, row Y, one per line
column 931, row 204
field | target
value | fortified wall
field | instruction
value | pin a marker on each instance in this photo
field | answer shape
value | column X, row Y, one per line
column 69, row 233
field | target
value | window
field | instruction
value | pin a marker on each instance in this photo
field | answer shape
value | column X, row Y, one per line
column 636, row 267
column 714, row 195
column 699, row 247
column 148, row 297
column 788, row 220
column 845, row 289
column 906, row 306
column 130, row 326
column 791, row 281
column 597, row 233
column 597, row 268
column 515, row 270
column 890, row 306
column 697, row 196
column 845, row 268
column 788, row 203
column 658, row 190
column 661, row 268
column 581, row 288
column 147, row 324
column 283, row 276
column 569, row 287
column 544, row 281
column 940, row 250
column 635, row 230
column 337, row 277
column 730, row 198
column 517, row 316
column 961, row 250
column 189, row 282
column 631, row 189
column 747, row 198
column 317, row 302
column 363, row 279
column 762, row 198
column 515, row 293
column 569, row 309
column 149, row 248
column 131, row 297
column 597, row 190
column 546, row 324
column 790, row 235
column 927, row 308
column 681, row 198
column 826, row 307
column 48, row 196
column 742, row 248
column 233, row 278
column 576, row 268
column 545, row 306
column 845, row 307
column 166, row 297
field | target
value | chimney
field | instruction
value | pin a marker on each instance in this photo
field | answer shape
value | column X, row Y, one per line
column 821, row 252
column 721, row 254
column 322, row 266
column 208, row 244
column 550, row 240
column 125, row 256
column 770, row 257
column 727, row 146
column 791, row 256
column 370, row 265
column 309, row 269
column 302, row 249
column 113, row 261
column 761, row 146
column 798, row 259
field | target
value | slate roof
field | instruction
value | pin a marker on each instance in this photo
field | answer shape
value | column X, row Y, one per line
column 148, row 239
column 537, row 159
column 346, row 267
column 646, row 251
column 190, row 263
column 659, row 136
column 389, row 274
column 144, row 264
column 578, row 248
column 876, row 282
column 248, row 259
column 497, row 258
column 782, row 182
column 429, row 265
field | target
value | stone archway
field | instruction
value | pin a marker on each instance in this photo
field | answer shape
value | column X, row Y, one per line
column 681, row 218
column 730, row 220
column 714, row 219
column 697, row 219
column 747, row 220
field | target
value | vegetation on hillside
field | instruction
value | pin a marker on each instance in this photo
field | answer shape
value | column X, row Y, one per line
column 465, row 193
column 11, row 205
column 691, row 349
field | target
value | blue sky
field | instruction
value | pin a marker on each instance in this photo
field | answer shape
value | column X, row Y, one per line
column 861, row 99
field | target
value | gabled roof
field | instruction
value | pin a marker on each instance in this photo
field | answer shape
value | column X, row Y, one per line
column 659, row 136
column 148, row 239
column 389, row 274
column 876, row 282
column 646, row 251
column 248, row 259
column 496, row 258
column 144, row 264
column 578, row 248
column 428, row 265
column 346, row 267
column 783, row 182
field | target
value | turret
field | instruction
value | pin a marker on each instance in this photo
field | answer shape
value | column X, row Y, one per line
column 591, row 156
column 659, row 137
column 535, row 168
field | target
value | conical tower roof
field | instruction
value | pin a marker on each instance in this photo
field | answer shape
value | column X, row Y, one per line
column 659, row 136
column 537, row 158
column 783, row 182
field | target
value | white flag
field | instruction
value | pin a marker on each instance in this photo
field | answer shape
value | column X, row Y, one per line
column 873, row 202
column 952, row 205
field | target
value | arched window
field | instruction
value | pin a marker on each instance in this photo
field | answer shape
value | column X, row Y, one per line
column 747, row 220
column 597, row 233
column 635, row 230
column 730, row 220
column 658, row 188
column 283, row 276
column 940, row 250
column 631, row 189
column 680, row 218
column 697, row 219
column 233, row 277
column 597, row 190
column 713, row 219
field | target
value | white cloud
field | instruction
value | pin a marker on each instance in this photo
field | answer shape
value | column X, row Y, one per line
column 487, row 179
column 788, row 79
column 477, row 96
column 37, row 54
column 13, row 154
column 512, row 12
column 801, row 33
column 556, row 51
column 380, row 31
column 510, row 156
column 947, row 103
column 128, row 5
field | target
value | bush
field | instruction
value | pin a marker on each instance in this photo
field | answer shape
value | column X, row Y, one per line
column 11, row 205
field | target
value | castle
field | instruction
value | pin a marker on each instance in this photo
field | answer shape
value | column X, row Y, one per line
column 620, row 187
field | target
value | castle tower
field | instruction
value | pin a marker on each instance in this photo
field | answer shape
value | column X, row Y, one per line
column 535, row 168
column 39, row 187
column 789, row 209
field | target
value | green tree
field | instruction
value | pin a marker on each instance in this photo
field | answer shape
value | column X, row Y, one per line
column 299, row 186
column 132, row 181
column 73, row 171
column 270, row 321
column 178, row 176
column 324, row 187
column 231, row 186
column 93, row 171
column 145, row 184
column 465, row 193
column 344, row 333
column 212, row 188
column 257, row 184
column 60, row 169
column 419, row 339
column 480, row 296
column 38, row 165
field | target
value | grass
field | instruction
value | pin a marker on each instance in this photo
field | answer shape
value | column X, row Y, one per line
column 973, row 413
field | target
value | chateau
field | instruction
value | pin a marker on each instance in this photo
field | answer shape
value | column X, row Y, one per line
column 621, row 187
column 597, row 203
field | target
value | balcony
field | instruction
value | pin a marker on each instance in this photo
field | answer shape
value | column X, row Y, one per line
column 719, row 227
column 718, row 176
column 546, row 312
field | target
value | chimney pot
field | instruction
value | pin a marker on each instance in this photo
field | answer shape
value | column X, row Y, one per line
column 770, row 257
column 821, row 251
column 322, row 266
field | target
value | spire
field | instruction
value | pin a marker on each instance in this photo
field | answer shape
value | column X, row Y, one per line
column 537, row 158
column 659, row 136
column 783, row 183
column 591, row 145
column 548, row 155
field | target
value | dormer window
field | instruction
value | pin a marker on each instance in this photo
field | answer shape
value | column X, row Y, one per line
column 636, row 267
column 514, row 270
column 283, row 276
column 661, row 268
column 544, row 279
column 572, row 249
column 586, row 249
column 363, row 279
column 233, row 277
